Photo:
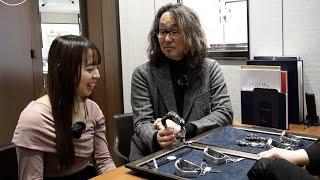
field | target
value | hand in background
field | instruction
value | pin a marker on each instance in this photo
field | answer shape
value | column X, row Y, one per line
column 296, row 157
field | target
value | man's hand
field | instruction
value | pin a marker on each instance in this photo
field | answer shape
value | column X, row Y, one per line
column 166, row 138
column 170, row 124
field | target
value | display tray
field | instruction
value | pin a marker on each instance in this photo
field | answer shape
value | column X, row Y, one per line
column 221, row 139
column 226, row 137
column 194, row 154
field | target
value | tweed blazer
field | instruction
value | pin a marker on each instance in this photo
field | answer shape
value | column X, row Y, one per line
column 206, row 101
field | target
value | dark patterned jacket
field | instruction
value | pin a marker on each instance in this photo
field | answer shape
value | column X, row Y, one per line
column 206, row 101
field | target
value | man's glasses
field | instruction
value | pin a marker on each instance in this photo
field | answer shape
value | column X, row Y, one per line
column 174, row 33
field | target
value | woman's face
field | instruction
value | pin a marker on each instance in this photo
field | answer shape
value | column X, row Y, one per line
column 169, row 36
column 89, row 76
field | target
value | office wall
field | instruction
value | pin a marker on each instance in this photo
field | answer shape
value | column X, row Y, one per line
column 16, row 73
column 265, row 33
column 60, row 18
column 301, row 37
column 277, row 27
column 135, row 24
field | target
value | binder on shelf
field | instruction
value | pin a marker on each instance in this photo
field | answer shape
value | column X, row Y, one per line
column 295, row 88
column 264, row 107
column 260, row 77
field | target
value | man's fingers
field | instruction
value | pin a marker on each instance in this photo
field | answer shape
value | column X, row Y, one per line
column 156, row 122
column 166, row 137
column 166, row 131
column 166, row 145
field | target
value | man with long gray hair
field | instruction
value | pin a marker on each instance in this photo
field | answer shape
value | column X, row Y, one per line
column 179, row 79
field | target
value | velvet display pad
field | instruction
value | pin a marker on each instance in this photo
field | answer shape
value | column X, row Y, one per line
column 227, row 136
column 233, row 170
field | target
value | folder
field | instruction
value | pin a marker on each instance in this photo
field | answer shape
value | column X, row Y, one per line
column 264, row 107
column 260, row 77
column 295, row 88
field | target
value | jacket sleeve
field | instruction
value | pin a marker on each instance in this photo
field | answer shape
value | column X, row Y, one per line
column 142, row 109
column 277, row 169
column 30, row 163
column 102, row 158
column 313, row 152
column 220, row 105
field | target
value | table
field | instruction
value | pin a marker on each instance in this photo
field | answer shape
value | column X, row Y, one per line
column 121, row 173
column 294, row 128
column 125, row 173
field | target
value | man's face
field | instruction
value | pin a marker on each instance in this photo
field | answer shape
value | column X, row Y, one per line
column 169, row 36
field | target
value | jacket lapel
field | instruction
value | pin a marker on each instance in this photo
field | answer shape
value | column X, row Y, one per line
column 163, row 80
column 191, row 92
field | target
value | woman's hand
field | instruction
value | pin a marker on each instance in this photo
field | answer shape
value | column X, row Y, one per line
column 296, row 157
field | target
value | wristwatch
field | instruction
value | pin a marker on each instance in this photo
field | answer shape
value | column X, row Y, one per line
column 183, row 132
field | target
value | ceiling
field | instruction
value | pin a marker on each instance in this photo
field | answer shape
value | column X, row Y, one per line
column 59, row 6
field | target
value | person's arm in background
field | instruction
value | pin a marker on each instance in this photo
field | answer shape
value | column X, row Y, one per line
column 221, row 110
column 277, row 169
column 102, row 158
column 30, row 164
column 309, row 157
column 299, row 157
column 279, row 164
column 313, row 152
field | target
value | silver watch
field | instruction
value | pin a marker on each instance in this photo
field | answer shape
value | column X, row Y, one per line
column 183, row 132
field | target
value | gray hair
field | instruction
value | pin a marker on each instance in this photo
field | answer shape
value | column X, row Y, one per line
column 191, row 33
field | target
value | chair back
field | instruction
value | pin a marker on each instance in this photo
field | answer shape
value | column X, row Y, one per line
column 123, row 124
column 9, row 164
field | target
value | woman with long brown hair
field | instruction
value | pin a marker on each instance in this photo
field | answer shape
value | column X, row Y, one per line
column 62, row 134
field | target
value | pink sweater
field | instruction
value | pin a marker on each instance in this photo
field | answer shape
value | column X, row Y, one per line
column 34, row 137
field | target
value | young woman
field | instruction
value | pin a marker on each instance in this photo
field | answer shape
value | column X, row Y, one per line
column 62, row 134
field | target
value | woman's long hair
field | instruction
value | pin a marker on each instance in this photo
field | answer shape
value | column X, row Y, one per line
column 191, row 32
column 65, row 59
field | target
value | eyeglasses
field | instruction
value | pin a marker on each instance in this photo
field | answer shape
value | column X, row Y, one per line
column 174, row 33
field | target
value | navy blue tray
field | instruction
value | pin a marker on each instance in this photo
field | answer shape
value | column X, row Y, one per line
column 227, row 136
column 235, row 170
column 222, row 139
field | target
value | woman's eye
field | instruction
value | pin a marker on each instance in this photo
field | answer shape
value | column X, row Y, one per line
column 90, row 69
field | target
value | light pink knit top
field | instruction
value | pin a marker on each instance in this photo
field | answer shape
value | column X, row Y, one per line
column 34, row 137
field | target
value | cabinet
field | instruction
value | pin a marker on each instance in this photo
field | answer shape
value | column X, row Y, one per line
column 20, row 75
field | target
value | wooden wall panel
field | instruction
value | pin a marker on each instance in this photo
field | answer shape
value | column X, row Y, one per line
column 112, row 59
column 101, row 27
column 35, row 37
column 16, row 75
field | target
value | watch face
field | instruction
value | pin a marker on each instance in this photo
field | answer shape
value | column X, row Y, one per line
column 183, row 132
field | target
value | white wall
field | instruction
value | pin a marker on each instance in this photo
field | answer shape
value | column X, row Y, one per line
column 296, row 33
column 60, row 18
column 135, row 24
column 301, row 33
column 277, row 28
